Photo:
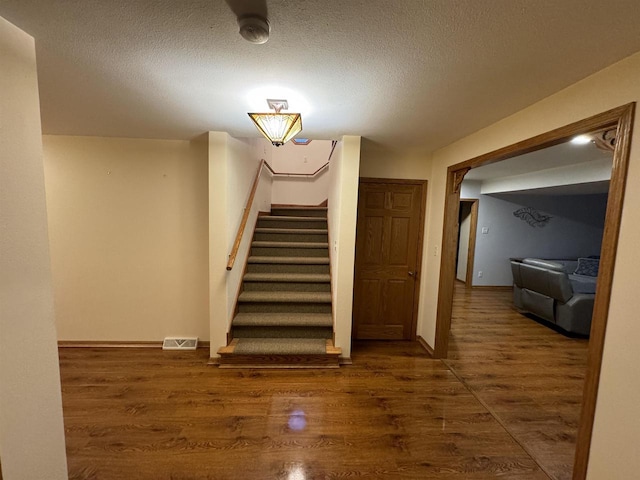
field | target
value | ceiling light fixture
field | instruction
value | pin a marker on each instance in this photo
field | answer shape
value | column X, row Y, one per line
column 278, row 127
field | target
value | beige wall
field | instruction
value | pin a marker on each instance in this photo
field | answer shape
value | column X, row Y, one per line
column 617, row 422
column 381, row 162
column 233, row 166
column 31, row 429
column 342, row 212
column 242, row 166
column 301, row 191
column 218, row 240
column 128, row 232
column 305, row 159
column 292, row 158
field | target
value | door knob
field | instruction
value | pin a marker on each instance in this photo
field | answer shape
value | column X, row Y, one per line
column 411, row 274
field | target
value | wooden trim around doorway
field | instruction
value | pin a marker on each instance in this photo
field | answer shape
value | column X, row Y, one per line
column 620, row 118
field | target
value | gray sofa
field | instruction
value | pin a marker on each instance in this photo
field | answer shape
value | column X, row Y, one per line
column 550, row 289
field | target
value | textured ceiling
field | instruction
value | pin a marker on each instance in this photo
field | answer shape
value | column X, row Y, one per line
column 409, row 73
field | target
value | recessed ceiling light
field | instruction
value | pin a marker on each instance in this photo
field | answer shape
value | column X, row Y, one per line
column 581, row 140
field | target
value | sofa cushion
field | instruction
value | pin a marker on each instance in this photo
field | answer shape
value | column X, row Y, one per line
column 548, row 264
column 588, row 267
column 583, row 283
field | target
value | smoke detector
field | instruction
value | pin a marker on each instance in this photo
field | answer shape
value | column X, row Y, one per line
column 254, row 29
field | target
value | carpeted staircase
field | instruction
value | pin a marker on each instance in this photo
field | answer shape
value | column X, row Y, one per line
column 284, row 314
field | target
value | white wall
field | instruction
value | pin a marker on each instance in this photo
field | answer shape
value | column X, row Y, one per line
column 342, row 213
column 128, row 233
column 575, row 230
column 617, row 421
column 32, row 444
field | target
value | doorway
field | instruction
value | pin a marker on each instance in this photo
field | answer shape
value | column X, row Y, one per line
column 389, row 235
column 468, row 224
column 620, row 119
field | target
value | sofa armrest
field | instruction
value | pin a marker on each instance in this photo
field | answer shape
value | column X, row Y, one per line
column 575, row 315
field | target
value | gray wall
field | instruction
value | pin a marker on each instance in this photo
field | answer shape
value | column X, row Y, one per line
column 575, row 230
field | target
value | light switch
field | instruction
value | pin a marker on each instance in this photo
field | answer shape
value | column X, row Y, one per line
column 485, row 230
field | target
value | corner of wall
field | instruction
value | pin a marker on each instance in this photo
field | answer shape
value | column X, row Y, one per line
column 343, row 240
column 218, row 240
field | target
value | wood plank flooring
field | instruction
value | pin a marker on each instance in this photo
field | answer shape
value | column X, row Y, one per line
column 528, row 375
column 394, row 413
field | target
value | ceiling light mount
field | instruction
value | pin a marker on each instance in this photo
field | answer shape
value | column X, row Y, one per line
column 277, row 105
column 254, row 28
column 277, row 127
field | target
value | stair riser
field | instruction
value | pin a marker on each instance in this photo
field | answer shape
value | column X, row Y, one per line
column 289, row 252
column 299, row 212
column 261, row 307
column 282, row 223
column 279, row 361
column 286, row 268
column 286, row 287
column 292, row 237
column 282, row 332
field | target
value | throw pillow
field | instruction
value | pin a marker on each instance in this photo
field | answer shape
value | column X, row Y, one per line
column 588, row 267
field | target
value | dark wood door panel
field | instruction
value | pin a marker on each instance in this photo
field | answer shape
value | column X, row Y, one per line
column 388, row 244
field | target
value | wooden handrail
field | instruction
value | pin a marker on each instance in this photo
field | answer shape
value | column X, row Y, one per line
column 247, row 208
column 269, row 167
column 245, row 216
column 282, row 174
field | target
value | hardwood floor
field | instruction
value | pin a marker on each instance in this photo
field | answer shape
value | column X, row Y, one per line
column 529, row 376
column 395, row 413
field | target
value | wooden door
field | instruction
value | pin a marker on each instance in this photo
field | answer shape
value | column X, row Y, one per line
column 388, row 255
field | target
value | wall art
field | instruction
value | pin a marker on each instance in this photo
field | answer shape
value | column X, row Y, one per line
column 533, row 217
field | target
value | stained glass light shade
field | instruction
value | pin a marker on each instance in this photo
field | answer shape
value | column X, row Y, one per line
column 279, row 128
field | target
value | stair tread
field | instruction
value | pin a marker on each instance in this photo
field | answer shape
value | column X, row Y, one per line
column 288, row 277
column 290, row 260
column 282, row 297
column 276, row 244
column 280, row 346
column 313, row 231
column 283, row 320
column 297, row 207
column 291, row 218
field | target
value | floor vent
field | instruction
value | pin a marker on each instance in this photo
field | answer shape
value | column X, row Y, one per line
column 180, row 343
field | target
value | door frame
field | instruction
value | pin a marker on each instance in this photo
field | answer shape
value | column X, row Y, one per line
column 423, row 208
column 621, row 118
column 471, row 249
